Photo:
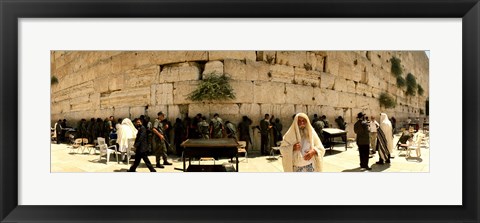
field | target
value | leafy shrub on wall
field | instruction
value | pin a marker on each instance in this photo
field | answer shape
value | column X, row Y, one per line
column 411, row 84
column 420, row 89
column 387, row 101
column 53, row 80
column 396, row 68
column 213, row 87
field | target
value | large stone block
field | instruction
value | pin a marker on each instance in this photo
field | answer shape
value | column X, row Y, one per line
column 281, row 73
column 173, row 113
column 299, row 94
column 351, row 86
column 269, row 92
column 304, row 77
column 116, row 82
column 236, row 69
column 100, row 85
column 196, row 108
column 215, row 67
column 327, row 81
column 180, row 72
column 130, row 60
column 326, row 97
column 283, row 112
column 181, row 90
column 301, row 109
column 250, row 110
column 267, row 56
column 122, row 113
column 141, row 77
column 170, row 57
column 363, row 89
column 95, row 100
column 367, row 102
column 136, row 111
column 163, row 94
column 229, row 54
column 126, row 98
column 340, row 84
column 224, row 109
column 316, row 61
column 292, row 58
column 243, row 91
column 346, row 100
column 153, row 110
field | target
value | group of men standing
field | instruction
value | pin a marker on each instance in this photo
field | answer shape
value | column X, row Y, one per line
column 374, row 135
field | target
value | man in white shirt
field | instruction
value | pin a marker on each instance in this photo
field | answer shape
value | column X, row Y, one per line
column 373, row 126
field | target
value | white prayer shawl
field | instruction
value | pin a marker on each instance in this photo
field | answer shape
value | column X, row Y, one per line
column 293, row 136
column 386, row 127
column 126, row 131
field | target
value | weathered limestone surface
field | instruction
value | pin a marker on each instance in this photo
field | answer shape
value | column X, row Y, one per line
column 215, row 67
column 281, row 83
column 238, row 55
column 269, row 92
column 180, row 72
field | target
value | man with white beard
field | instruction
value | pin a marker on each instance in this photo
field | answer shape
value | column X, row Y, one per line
column 301, row 147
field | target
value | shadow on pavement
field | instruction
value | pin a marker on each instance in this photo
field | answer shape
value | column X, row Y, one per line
column 358, row 169
column 121, row 170
column 379, row 167
column 416, row 159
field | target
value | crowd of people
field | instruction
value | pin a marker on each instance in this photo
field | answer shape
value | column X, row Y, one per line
column 302, row 146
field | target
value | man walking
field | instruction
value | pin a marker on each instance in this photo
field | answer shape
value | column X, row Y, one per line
column 141, row 147
column 363, row 140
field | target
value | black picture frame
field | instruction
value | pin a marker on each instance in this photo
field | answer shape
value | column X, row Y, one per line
column 11, row 11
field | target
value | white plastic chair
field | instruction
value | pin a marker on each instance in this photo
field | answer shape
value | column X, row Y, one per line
column 106, row 150
column 77, row 144
column 130, row 149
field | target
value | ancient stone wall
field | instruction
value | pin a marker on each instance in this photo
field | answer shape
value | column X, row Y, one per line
column 282, row 83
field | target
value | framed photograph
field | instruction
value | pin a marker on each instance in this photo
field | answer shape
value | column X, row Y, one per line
column 80, row 59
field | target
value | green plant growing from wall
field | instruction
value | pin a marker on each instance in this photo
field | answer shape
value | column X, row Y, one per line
column 213, row 87
column 411, row 84
column 396, row 68
column 387, row 101
column 420, row 89
column 53, row 80
column 401, row 82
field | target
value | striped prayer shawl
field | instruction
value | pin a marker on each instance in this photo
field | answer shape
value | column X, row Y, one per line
column 382, row 145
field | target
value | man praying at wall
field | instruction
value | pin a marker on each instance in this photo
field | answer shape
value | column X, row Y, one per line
column 301, row 147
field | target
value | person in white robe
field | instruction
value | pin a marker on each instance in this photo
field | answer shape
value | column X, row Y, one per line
column 125, row 131
column 385, row 139
column 301, row 148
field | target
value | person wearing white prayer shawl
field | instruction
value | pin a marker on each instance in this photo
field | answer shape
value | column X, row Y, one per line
column 384, row 139
column 126, row 131
column 301, row 148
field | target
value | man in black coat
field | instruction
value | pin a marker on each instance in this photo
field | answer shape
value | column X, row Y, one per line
column 141, row 146
column 363, row 140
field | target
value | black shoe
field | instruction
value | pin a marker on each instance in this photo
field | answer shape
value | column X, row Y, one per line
column 167, row 163
column 131, row 171
column 160, row 166
column 388, row 161
column 379, row 162
column 153, row 170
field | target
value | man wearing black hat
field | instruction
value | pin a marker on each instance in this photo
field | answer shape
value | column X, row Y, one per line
column 363, row 140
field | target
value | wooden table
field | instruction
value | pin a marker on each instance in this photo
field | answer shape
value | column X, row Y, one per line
column 331, row 133
column 197, row 148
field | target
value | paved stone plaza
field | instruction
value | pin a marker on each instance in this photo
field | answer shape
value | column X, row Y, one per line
column 336, row 160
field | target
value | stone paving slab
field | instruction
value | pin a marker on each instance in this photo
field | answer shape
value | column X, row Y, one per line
column 337, row 160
